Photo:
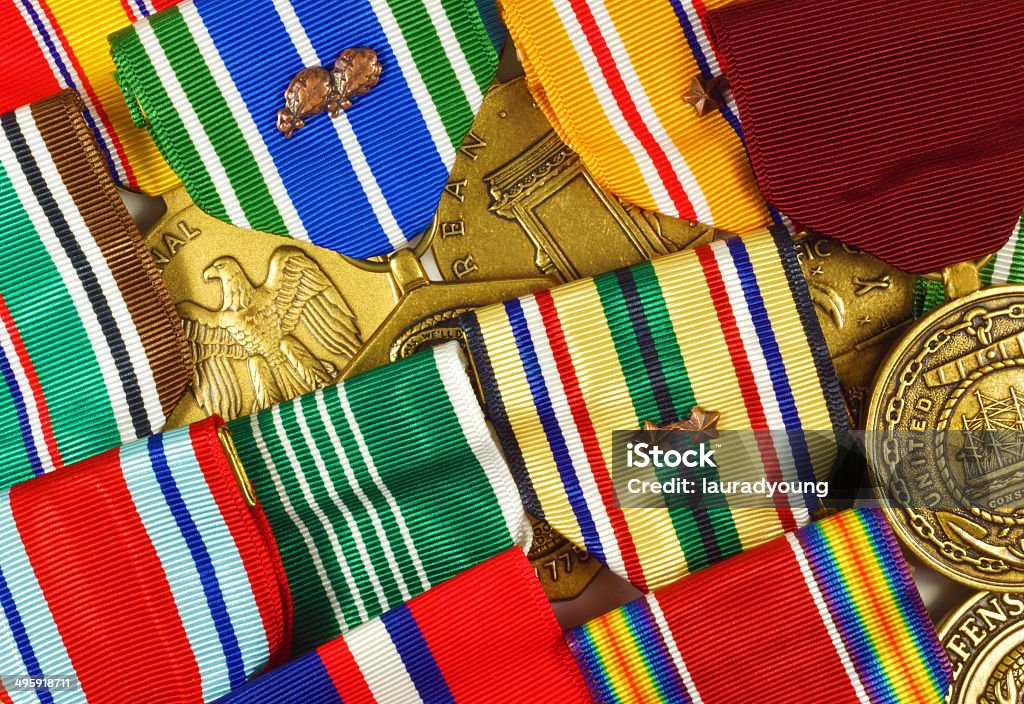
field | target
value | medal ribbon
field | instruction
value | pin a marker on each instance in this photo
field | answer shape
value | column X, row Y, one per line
column 727, row 327
column 611, row 75
column 207, row 78
column 379, row 488
column 837, row 594
column 143, row 560
column 92, row 354
column 54, row 44
column 855, row 131
column 487, row 635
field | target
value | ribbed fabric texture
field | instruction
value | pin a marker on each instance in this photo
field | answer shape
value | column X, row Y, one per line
column 141, row 570
column 610, row 75
column 727, row 327
column 207, row 78
column 379, row 488
column 829, row 614
column 484, row 637
column 880, row 123
column 92, row 353
column 54, row 44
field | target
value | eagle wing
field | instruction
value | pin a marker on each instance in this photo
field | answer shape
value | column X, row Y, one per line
column 216, row 386
column 300, row 293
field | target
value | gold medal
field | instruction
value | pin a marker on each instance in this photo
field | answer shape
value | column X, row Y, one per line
column 984, row 639
column 564, row 570
column 519, row 203
column 863, row 305
column 271, row 318
column 946, row 436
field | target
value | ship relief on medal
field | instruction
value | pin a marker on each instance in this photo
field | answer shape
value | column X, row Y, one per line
column 946, row 439
column 255, row 325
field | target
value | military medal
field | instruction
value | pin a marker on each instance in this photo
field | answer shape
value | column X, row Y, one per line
column 984, row 639
column 564, row 570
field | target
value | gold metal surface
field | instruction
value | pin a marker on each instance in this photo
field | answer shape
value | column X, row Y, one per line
column 945, row 431
column 237, row 468
column 563, row 569
column 863, row 306
column 316, row 90
column 984, row 639
column 520, row 204
column 271, row 318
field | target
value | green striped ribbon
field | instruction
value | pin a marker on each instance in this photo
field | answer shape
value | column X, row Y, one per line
column 1005, row 267
column 379, row 488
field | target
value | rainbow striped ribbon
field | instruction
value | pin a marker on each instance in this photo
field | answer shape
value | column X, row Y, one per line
column 379, row 488
column 207, row 79
column 141, row 574
column 54, row 44
column 487, row 635
column 92, row 354
column 827, row 614
column 728, row 327
column 610, row 76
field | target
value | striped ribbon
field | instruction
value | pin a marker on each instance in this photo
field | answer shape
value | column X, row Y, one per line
column 92, row 354
column 827, row 614
column 208, row 77
column 379, row 488
column 487, row 635
column 1005, row 267
column 728, row 327
column 610, row 76
column 140, row 572
column 54, row 44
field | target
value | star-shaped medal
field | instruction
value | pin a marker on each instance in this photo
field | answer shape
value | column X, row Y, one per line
column 701, row 425
column 705, row 94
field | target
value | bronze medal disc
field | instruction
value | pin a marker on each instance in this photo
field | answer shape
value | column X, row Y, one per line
column 985, row 642
column 945, row 439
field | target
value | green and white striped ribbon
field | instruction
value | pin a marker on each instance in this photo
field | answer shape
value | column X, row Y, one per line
column 379, row 488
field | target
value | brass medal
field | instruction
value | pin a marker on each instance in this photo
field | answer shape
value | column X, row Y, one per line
column 945, row 439
column 271, row 318
column 984, row 639
column 863, row 305
column 563, row 569
column 519, row 203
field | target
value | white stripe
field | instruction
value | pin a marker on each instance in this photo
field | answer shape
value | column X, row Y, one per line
column 235, row 586
column 347, row 136
column 456, row 56
column 353, row 527
column 673, row 649
column 702, row 37
column 368, row 506
column 451, row 367
column 381, row 664
column 378, row 482
column 606, row 97
column 563, row 413
column 179, row 568
column 193, row 126
column 246, row 124
column 35, row 422
column 762, row 378
column 403, row 55
column 126, row 329
column 826, row 618
column 79, row 81
column 1004, row 257
column 300, row 525
column 42, row 632
column 694, row 193
column 66, row 270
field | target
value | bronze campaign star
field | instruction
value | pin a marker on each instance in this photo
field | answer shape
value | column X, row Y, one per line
column 705, row 94
column 700, row 425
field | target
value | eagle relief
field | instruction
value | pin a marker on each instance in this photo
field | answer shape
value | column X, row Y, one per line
column 255, row 332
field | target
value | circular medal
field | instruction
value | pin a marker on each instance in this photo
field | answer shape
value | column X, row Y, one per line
column 984, row 639
column 945, row 439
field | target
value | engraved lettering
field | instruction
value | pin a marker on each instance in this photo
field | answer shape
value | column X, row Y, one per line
column 457, row 189
column 464, row 267
column 1016, row 605
column 453, row 228
column 973, row 630
column 924, row 404
column 993, row 617
column 472, row 146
